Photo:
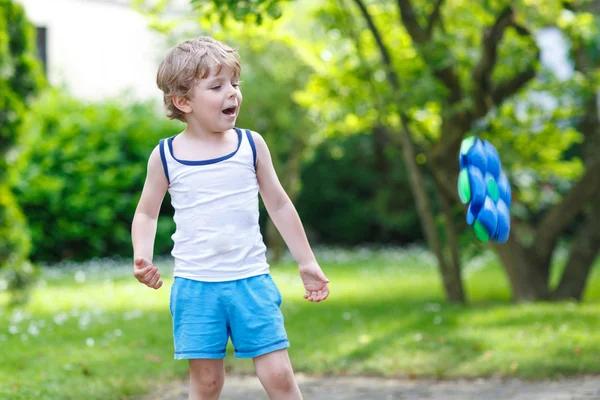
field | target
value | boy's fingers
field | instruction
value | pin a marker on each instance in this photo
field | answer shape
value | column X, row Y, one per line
column 154, row 280
column 145, row 272
column 139, row 273
column 150, row 277
column 150, row 273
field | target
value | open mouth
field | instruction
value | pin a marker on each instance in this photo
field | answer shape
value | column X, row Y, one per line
column 229, row 111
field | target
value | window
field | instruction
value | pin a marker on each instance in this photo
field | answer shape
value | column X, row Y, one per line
column 42, row 47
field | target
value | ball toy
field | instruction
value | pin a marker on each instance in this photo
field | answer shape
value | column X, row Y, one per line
column 485, row 189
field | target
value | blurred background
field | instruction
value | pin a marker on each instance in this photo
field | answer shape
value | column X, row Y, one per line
column 364, row 105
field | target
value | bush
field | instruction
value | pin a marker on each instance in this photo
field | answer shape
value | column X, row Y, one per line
column 20, row 78
column 18, row 272
column 81, row 171
column 347, row 199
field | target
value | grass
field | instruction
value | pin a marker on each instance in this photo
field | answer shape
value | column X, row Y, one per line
column 91, row 331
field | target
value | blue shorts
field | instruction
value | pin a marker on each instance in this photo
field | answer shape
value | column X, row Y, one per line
column 207, row 314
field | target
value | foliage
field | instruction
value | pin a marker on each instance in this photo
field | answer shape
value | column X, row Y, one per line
column 434, row 72
column 354, row 87
column 15, row 244
column 347, row 201
column 20, row 75
column 535, row 133
column 396, row 325
column 20, row 78
column 271, row 73
column 79, row 185
column 244, row 10
column 80, row 174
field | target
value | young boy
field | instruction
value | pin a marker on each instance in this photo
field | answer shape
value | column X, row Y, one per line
column 214, row 172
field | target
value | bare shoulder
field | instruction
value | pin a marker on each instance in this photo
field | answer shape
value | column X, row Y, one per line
column 156, row 170
column 154, row 158
column 262, row 149
column 155, row 153
column 258, row 139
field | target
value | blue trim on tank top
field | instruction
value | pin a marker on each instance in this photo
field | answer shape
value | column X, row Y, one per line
column 206, row 162
column 161, row 147
column 251, row 140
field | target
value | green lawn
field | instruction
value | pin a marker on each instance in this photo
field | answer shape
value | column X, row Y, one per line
column 91, row 331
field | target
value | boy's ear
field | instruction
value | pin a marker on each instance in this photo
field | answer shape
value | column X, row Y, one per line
column 182, row 103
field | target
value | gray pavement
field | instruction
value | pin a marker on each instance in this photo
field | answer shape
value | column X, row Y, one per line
column 365, row 388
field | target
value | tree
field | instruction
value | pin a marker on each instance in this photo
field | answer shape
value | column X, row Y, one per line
column 457, row 69
column 584, row 29
column 19, row 80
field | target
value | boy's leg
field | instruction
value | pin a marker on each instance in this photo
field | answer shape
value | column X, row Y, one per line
column 200, row 333
column 206, row 378
column 274, row 370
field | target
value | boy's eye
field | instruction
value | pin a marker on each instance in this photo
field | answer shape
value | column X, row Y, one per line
column 216, row 87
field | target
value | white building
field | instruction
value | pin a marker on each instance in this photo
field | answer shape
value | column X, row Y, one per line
column 97, row 48
column 100, row 48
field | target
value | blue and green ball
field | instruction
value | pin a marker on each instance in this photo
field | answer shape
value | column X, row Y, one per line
column 484, row 187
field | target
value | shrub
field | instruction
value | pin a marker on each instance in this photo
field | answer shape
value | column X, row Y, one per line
column 81, row 171
column 349, row 198
column 20, row 78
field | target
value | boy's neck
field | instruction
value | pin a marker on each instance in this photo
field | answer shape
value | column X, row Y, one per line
column 199, row 133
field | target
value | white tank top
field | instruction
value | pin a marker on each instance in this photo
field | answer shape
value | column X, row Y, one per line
column 217, row 235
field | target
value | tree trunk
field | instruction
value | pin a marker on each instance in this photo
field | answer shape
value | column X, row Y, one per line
column 586, row 243
column 454, row 275
column 584, row 251
column 449, row 271
column 525, row 281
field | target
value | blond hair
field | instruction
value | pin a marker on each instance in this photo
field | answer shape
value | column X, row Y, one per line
column 187, row 63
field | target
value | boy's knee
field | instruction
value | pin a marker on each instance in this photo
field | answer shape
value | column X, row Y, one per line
column 280, row 378
column 205, row 387
column 205, row 383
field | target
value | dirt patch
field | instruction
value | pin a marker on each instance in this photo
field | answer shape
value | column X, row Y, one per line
column 366, row 388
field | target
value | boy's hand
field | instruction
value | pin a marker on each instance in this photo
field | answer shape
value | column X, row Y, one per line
column 145, row 272
column 315, row 282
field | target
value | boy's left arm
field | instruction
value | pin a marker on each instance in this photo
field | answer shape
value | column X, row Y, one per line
column 286, row 219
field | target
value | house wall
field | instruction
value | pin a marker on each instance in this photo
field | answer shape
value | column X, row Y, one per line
column 98, row 48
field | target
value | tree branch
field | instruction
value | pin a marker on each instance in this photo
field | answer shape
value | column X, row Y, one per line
column 409, row 19
column 482, row 72
column 510, row 86
column 453, row 129
column 422, row 36
column 434, row 18
column 387, row 59
column 505, row 89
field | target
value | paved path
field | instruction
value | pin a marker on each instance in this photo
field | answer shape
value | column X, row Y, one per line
column 362, row 388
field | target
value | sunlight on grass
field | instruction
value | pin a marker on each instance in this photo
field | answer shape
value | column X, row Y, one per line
column 91, row 331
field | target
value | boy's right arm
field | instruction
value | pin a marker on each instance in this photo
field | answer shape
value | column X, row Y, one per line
column 143, row 228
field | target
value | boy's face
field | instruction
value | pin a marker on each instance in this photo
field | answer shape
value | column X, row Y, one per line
column 215, row 101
